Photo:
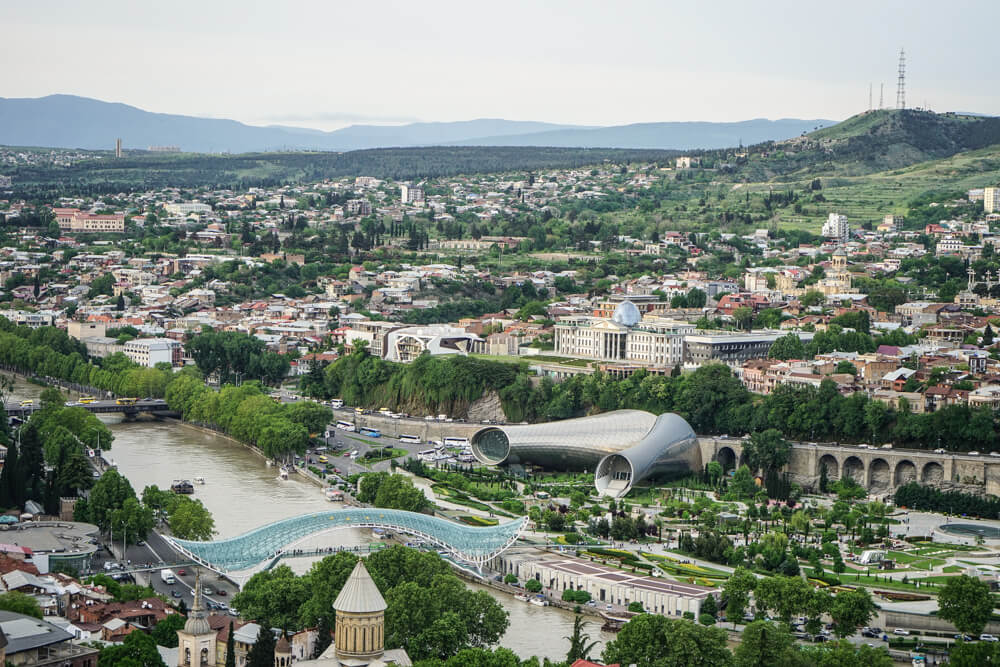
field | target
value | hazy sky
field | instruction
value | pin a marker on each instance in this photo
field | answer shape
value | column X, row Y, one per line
column 331, row 63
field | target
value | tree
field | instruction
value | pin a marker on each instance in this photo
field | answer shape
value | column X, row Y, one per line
column 20, row 603
column 109, row 493
column 190, row 520
column 973, row 654
column 843, row 653
column 851, row 609
column 580, row 645
column 967, row 603
column 274, row 598
column 261, row 654
column 650, row 640
column 737, row 592
column 133, row 521
column 743, row 317
column 138, row 650
column 323, row 636
column 165, row 632
column 764, row 643
column 533, row 586
column 988, row 335
column 715, row 472
column 231, row 647
column 767, row 450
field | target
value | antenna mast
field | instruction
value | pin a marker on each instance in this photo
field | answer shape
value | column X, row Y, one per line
column 901, row 81
column 880, row 87
column 869, row 97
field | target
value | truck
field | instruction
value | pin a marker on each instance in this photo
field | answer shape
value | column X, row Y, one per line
column 168, row 577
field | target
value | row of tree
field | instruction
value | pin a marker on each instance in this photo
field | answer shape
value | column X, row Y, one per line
column 248, row 414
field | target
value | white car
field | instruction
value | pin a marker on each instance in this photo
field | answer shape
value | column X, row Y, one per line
column 997, row 454
column 901, row 631
column 973, row 453
column 988, row 638
column 939, row 451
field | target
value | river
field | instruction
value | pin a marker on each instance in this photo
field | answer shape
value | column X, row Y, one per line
column 242, row 493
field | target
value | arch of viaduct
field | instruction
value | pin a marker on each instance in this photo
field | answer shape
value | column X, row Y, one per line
column 878, row 470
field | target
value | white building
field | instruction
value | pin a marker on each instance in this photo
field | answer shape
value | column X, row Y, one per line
column 151, row 351
column 991, row 200
column 626, row 337
column 409, row 194
column 408, row 343
column 836, row 227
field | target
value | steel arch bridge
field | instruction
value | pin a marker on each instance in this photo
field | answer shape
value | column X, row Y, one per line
column 261, row 545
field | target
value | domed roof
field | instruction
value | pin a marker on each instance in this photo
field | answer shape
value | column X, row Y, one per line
column 626, row 314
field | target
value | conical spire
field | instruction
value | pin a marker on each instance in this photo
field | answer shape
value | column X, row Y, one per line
column 359, row 594
column 197, row 621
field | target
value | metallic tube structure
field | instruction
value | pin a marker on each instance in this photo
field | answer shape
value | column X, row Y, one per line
column 623, row 446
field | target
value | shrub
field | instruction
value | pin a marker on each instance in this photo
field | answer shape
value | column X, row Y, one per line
column 706, row 619
column 533, row 585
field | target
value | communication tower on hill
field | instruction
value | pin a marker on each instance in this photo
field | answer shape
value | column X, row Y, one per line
column 901, row 82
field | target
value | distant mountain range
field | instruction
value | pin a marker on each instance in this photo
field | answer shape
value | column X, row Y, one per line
column 68, row 121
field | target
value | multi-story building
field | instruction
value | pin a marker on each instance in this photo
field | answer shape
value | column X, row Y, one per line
column 358, row 207
column 409, row 194
column 626, row 336
column 991, row 199
column 606, row 584
column 75, row 220
column 372, row 332
column 836, row 227
column 733, row 348
column 151, row 351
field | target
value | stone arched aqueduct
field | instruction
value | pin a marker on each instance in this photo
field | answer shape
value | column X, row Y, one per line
column 878, row 470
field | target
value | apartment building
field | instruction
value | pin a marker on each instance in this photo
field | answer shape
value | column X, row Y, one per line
column 991, row 200
column 151, row 351
column 836, row 228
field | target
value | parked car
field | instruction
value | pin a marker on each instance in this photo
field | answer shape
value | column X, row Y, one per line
column 988, row 638
column 901, row 632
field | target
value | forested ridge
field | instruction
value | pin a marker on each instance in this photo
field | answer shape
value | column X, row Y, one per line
column 144, row 172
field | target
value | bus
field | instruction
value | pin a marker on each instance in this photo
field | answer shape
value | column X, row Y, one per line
column 345, row 426
column 87, row 399
column 337, row 403
column 456, row 442
column 427, row 453
column 125, row 401
column 411, row 439
column 370, row 432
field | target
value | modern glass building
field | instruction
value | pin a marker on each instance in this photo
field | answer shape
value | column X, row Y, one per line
column 622, row 447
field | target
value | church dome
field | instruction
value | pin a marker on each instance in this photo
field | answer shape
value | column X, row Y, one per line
column 626, row 314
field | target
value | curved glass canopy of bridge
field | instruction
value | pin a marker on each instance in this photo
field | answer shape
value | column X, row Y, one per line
column 470, row 544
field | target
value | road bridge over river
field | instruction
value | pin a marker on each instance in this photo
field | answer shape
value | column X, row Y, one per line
column 154, row 406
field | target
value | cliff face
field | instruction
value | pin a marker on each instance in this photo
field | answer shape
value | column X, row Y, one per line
column 486, row 408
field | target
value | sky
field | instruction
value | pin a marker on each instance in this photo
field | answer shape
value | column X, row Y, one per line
column 328, row 64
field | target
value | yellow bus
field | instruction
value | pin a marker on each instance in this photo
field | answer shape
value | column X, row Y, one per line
column 125, row 401
column 88, row 399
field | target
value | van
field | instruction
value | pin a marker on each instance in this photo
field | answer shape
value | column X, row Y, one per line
column 337, row 403
column 323, row 459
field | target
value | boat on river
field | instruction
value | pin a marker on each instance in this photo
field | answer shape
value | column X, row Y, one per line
column 539, row 601
column 521, row 596
column 199, row 480
column 283, row 473
column 182, row 486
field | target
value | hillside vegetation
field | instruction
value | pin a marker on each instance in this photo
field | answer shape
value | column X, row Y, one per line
column 875, row 141
column 151, row 171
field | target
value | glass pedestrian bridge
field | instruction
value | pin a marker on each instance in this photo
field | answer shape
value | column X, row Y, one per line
column 262, row 546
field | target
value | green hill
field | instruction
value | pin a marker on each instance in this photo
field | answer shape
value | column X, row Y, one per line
column 871, row 142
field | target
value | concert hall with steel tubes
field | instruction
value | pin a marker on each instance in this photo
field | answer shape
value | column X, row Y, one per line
column 622, row 447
